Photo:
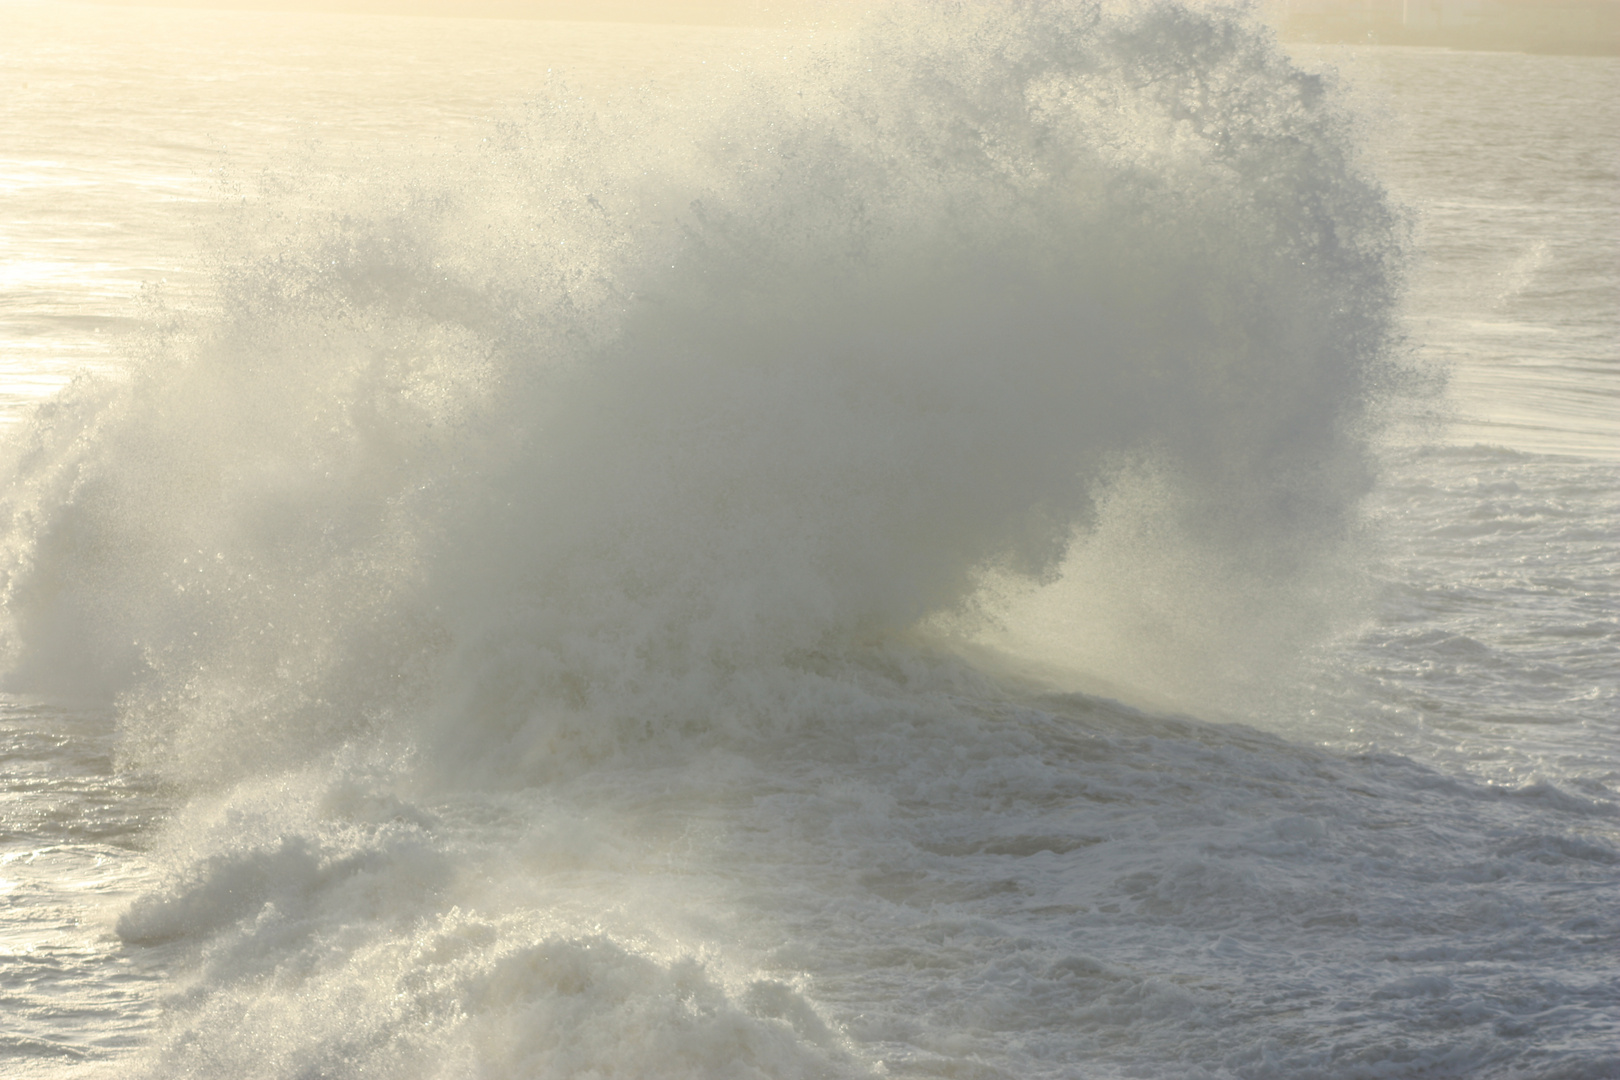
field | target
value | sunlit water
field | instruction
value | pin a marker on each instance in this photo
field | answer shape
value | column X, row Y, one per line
column 332, row 749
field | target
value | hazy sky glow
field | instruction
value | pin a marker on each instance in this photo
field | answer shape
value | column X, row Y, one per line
column 682, row 11
column 1558, row 26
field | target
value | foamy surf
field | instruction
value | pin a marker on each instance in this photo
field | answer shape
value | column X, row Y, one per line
column 550, row 576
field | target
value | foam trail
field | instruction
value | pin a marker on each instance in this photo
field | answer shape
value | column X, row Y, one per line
column 663, row 425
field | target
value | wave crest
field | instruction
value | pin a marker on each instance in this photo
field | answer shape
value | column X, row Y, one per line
column 606, row 425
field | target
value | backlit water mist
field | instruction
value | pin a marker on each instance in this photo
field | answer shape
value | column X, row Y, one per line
column 922, row 549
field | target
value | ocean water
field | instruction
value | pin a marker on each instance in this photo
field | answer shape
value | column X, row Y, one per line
column 1006, row 540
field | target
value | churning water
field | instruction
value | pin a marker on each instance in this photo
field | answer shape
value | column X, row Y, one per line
column 940, row 548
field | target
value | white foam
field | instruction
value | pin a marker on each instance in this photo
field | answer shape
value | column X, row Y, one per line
column 539, row 571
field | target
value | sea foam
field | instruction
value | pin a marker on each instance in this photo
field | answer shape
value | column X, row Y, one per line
column 646, row 425
column 623, row 405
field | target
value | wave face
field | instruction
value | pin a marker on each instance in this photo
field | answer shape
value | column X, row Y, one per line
column 642, row 448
